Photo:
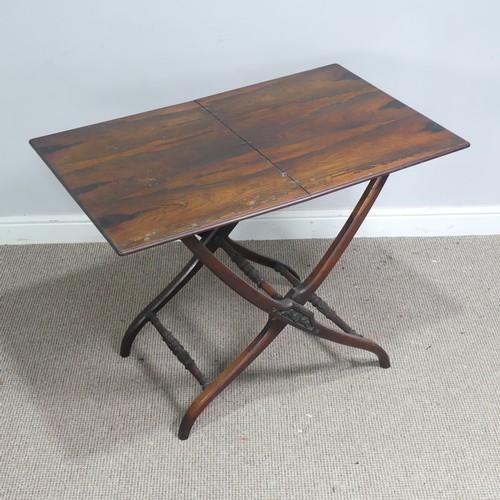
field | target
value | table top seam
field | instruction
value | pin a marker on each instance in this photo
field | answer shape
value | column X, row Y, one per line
column 283, row 172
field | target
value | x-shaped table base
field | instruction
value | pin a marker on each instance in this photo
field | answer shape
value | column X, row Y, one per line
column 282, row 310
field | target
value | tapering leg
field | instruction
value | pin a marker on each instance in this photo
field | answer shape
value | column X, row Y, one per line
column 265, row 337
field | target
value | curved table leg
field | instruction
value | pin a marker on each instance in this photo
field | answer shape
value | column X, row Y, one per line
column 187, row 273
column 303, row 319
column 340, row 243
column 171, row 290
column 265, row 337
column 282, row 310
column 353, row 341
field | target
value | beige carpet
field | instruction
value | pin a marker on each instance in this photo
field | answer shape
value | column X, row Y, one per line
column 308, row 420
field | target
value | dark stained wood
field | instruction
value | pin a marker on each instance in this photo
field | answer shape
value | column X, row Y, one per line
column 155, row 177
column 287, row 310
column 170, row 291
column 342, row 241
column 327, row 128
column 270, row 331
column 178, row 171
column 158, row 176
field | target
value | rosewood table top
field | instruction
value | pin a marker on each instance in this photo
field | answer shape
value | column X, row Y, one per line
column 158, row 176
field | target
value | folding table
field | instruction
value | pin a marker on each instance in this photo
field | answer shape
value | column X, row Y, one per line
column 193, row 171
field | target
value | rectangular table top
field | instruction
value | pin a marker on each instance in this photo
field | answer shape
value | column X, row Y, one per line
column 158, row 176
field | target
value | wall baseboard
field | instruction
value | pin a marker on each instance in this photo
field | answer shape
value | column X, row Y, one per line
column 285, row 224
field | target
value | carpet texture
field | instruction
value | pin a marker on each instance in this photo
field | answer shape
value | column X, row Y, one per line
column 308, row 420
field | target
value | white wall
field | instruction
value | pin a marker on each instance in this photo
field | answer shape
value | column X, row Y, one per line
column 65, row 64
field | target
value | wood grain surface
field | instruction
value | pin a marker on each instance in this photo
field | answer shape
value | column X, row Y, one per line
column 327, row 128
column 158, row 176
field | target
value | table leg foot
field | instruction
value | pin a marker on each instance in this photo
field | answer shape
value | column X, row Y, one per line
column 353, row 341
column 265, row 337
column 132, row 331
